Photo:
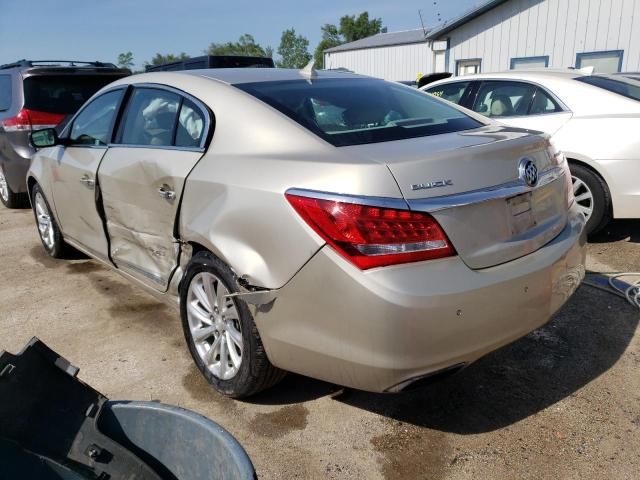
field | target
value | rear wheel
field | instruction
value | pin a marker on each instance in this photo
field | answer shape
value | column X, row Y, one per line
column 48, row 229
column 220, row 332
column 9, row 198
column 592, row 197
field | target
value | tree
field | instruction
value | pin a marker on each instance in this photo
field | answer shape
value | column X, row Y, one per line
column 330, row 38
column 293, row 49
column 352, row 28
column 246, row 46
column 160, row 59
column 125, row 60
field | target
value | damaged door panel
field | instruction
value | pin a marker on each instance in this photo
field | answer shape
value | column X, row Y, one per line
column 141, row 191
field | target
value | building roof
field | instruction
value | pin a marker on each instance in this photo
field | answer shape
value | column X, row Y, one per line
column 382, row 40
column 467, row 16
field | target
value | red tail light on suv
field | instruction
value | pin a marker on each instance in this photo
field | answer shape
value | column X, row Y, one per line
column 27, row 120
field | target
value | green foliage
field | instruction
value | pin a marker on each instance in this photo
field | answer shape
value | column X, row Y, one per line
column 125, row 60
column 160, row 59
column 293, row 49
column 330, row 38
column 246, row 45
column 352, row 28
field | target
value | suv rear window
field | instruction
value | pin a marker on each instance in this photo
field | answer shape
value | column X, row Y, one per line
column 626, row 87
column 356, row 111
column 5, row 92
column 62, row 93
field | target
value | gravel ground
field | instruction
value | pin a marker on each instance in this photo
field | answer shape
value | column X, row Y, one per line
column 563, row 402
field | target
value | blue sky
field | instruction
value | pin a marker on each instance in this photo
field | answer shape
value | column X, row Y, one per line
column 100, row 29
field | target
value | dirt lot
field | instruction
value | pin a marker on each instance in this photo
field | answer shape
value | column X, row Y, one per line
column 564, row 402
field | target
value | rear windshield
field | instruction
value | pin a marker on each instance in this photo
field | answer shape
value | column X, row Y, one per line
column 355, row 111
column 623, row 86
column 63, row 93
column 5, row 92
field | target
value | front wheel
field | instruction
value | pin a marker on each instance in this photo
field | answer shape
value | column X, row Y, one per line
column 220, row 332
column 592, row 197
column 48, row 229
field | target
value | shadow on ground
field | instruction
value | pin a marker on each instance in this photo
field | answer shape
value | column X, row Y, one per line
column 618, row 230
column 584, row 340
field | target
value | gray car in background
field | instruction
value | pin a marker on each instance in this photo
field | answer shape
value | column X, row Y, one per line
column 38, row 94
column 341, row 227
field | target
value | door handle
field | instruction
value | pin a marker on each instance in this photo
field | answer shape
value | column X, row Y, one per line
column 87, row 181
column 165, row 192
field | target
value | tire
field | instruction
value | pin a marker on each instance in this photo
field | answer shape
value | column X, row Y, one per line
column 8, row 197
column 48, row 229
column 212, row 335
column 592, row 196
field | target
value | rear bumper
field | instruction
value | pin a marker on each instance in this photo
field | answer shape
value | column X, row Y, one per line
column 374, row 330
column 15, row 159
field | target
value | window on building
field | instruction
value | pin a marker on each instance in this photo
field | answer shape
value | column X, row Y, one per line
column 526, row 63
column 468, row 67
column 602, row 62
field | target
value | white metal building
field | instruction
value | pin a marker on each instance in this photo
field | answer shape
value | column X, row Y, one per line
column 506, row 34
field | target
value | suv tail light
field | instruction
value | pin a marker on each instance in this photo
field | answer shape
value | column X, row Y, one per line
column 374, row 236
column 27, row 120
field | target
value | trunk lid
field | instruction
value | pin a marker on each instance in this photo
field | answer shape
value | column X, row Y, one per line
column 473, row 184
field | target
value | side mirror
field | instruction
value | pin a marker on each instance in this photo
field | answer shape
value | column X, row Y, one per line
column 47, row 137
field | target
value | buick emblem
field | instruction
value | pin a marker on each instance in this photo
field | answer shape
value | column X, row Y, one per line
column 528, row 172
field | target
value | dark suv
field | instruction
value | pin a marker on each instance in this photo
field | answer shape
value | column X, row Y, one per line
column 38, row 94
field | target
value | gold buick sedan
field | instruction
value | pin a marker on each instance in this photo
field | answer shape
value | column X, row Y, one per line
column 342, row 227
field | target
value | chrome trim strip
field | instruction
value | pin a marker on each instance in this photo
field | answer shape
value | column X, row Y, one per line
column 383, row 202
column 434, row 204
column 505, row 190
column 134, row 268
column 157, row 147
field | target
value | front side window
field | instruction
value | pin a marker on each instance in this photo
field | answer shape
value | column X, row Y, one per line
column 5, row 92
column 449, row 91
column 150, row 118
column 94, row 123
column 628, row 87
column 504, row 99
column 354, row 111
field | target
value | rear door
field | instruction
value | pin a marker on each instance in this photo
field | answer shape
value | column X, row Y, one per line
column 520, row 104
column 160, row 139
column 74, row 170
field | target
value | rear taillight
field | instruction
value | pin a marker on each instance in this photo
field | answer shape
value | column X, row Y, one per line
column 373, row 236
column 27, row 120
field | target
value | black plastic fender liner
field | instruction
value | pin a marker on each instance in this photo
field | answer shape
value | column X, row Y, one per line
column 50, row 415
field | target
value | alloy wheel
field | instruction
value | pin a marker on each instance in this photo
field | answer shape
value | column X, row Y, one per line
column 584, row 197
column 214, row 324
column 45, row 226
column 4, row 188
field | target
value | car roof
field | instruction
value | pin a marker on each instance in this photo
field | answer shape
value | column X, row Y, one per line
column 234, row 76
column 533, row 74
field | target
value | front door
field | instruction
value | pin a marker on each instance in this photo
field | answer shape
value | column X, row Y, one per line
column 74, row 173
column 142, row 177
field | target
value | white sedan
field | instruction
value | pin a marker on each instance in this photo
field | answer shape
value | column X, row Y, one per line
column 594, row 119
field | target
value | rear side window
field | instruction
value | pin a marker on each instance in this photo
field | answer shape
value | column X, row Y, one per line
column 93, row 125
column 627, row 87
column 5, row 92
column 542, row 104
column 504, row 99
column 354, row 111
column 449, row 91
column 63, row 94
column 190, row 125
column 151, row 118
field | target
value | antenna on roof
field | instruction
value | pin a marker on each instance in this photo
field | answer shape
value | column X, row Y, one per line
column 424, row 30
column 309, row 72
